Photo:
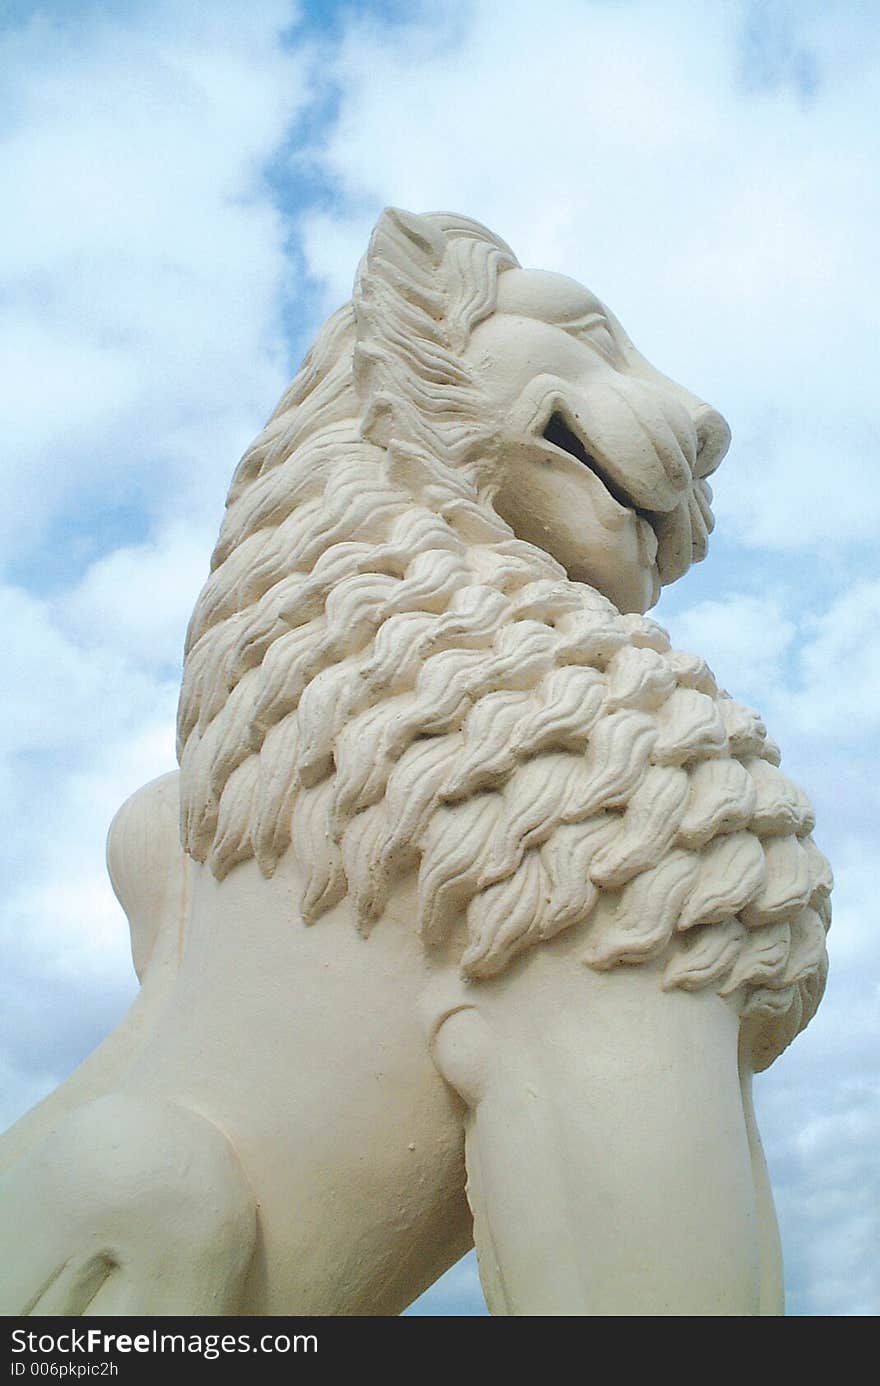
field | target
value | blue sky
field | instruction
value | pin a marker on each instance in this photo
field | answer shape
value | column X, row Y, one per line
column 190, row 188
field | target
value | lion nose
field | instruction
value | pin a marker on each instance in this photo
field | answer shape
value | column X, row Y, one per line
column 713, row 440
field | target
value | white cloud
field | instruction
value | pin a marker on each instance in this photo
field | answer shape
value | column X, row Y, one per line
column 743, row 638
column 816, row 672
column 144, row 270
column 145, row 277
column 728, row 224
column 137, row 600
column 818, row 1127
column 84, row 727
column 55, row 691
column 840, row 666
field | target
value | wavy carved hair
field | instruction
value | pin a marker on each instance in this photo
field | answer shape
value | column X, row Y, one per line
column 380, row 673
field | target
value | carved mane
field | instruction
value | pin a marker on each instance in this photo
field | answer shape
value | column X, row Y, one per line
column 380, row 673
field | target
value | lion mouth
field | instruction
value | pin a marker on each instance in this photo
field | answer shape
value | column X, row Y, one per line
column 558, row 432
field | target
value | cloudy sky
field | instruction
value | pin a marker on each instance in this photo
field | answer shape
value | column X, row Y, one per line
column 190, row 184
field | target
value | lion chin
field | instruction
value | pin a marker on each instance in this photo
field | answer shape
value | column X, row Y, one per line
column 421, row 648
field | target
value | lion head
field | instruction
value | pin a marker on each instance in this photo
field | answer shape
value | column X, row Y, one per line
column 421, row 647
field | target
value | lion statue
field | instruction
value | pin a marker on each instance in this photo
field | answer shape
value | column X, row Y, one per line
column 562, row 901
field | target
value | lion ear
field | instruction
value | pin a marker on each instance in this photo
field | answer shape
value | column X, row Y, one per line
column 422, row 286
column 398, row 281
column 406, row 370
column 399, row 307
column 398, row 232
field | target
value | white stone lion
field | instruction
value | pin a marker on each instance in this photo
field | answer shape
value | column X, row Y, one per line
column 421, row 697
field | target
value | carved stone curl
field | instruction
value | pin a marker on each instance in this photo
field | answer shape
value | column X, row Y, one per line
column 421, row 697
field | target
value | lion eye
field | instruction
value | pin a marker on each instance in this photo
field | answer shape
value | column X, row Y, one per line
column 593, row 328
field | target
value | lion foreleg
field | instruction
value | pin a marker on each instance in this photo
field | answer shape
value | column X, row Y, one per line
column 609, row 1168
